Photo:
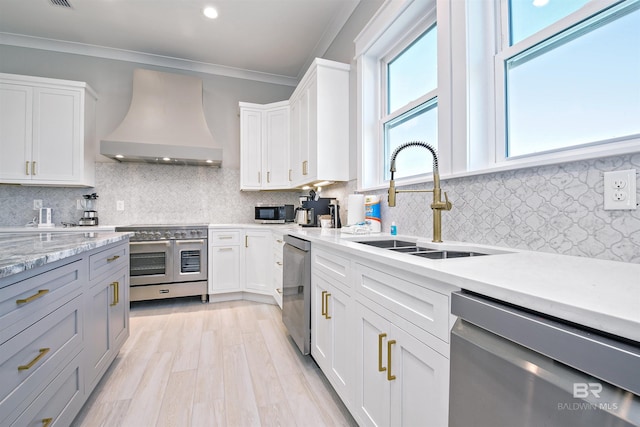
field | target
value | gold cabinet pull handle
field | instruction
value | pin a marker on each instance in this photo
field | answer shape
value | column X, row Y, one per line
column 390, row 377
column 259, row 178
column 246, row 241
column 113, row 258
column 279, row 290
column 268, row 177
column 380, row 338
column 225, row 237
column 116, row 292
column 33, row 168
column 326, row 305
column 46, row 422
column 279, row 262
column 40, row 293
column 324, row 309
column 305, row 167
column 289, row 174
column 26, row 168
column 40, row 355
column 278, row 240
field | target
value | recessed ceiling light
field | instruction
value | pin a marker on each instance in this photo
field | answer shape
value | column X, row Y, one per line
column 210, row 12
column 209, row 161
column 119, row 156
column 166, row 159
column 540, row 3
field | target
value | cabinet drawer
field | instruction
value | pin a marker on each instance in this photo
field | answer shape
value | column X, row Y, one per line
column 25, row 302
column 30, row 360
column 334, row 266
column 108, row 260
column 225, row 238
column 60, row 401
column 427, row 309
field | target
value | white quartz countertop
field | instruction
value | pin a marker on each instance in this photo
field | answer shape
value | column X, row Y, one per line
column 599, row 294
column 24, row 251
column 58, row 229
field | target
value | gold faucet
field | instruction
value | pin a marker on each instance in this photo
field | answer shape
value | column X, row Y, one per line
column 438, row 205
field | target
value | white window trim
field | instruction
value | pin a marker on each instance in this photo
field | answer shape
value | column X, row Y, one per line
column 469, row 134
column 497, row 160
column 396, row 23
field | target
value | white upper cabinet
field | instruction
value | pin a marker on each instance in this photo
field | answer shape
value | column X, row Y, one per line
column 264, row 146
column 301, row 141
column 47, row 131
column 320, row 125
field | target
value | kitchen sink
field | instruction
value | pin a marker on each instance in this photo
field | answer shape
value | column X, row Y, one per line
column 411, row 248
column 388, row 244
column 446, row 254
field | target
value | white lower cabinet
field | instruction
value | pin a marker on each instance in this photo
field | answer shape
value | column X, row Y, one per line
column 278, row 245
column 380, row 336
column 400, row 380
column 258, row 261
column 331, row 340
column 224, row 261
column 241, row 265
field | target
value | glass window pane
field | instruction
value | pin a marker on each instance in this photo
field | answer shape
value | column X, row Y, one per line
column 419, row 124
column 413, row 73
column 527, row 17
column 577, row 88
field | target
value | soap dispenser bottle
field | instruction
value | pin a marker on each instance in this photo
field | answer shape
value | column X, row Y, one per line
column 394, row 229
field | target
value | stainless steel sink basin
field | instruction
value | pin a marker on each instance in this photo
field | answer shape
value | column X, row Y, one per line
column 388, row 244
column 446, row 254
column 411, row 248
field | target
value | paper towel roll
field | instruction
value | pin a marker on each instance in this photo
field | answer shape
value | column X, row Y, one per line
column 355, row 208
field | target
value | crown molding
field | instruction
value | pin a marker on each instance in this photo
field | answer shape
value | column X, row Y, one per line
column 31, row 42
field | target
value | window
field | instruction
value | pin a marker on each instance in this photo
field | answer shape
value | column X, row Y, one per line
column 576, row 87
column 411, row 105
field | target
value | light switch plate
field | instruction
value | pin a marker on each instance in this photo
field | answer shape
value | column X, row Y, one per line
column 620, row 190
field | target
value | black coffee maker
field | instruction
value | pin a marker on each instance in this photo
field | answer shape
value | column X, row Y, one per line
column 334, row 211
column 316, row 209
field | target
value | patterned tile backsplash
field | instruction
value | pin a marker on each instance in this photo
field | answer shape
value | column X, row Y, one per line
column 555, row 208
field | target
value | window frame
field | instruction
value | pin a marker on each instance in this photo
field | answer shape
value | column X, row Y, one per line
column 506, row 51
column 471, row 112
column 396, row 25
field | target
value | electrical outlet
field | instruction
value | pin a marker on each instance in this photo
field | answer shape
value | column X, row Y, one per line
column 37, row 204
column 620, row 190
column 120, row 205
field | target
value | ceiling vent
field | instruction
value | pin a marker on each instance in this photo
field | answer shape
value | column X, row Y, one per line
column 61, row 3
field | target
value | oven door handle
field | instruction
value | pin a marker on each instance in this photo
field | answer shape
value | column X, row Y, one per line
column 189, row 242
column 165, row 243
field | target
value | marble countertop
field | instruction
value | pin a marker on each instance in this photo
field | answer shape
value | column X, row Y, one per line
column 600, row 294
column 58, row 229
column 24, row 251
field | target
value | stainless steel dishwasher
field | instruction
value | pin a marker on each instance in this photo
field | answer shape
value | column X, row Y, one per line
column 296, row 291
column 513, row 367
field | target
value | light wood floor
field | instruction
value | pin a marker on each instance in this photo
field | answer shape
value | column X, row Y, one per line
column 221, row 364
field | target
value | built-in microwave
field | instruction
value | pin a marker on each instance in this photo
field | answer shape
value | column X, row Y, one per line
column 269, row 213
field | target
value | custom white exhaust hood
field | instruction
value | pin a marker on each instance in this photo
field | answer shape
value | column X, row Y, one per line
column 165, row 123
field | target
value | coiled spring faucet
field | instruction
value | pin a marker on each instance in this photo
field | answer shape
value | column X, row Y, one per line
column 438, row 205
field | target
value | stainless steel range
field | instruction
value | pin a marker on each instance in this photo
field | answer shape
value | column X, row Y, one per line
column 167, row 261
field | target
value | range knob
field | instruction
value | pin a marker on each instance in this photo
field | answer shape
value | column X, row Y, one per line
column 195, row 233
column 158, row 235
column 167, row 234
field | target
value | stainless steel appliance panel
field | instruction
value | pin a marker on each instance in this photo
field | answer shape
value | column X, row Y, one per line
column 190, row 260
column 495, row 381
column 296, row 291
column 150, row 262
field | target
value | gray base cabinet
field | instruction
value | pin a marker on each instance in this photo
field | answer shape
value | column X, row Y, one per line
column 61, row 326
